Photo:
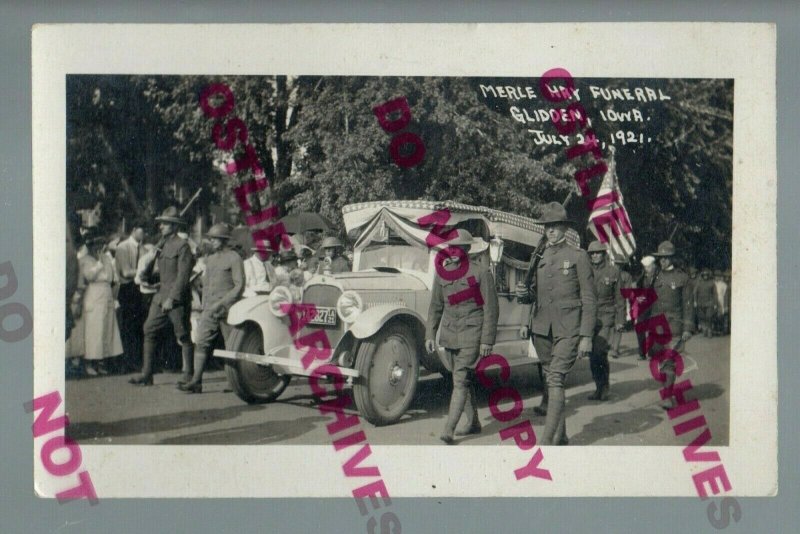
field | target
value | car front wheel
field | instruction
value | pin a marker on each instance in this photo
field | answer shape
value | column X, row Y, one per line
column 253, row 383
column 388, row 373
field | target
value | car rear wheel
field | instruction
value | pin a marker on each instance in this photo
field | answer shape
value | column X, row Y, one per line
column 388, row 373
column 253, row 383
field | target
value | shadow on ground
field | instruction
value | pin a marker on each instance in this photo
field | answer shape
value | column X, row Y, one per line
column 258, row 434
column 154, row 423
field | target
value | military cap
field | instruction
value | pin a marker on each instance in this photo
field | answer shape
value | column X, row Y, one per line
column 170, row 215
column 220, row 231
column 597, row 246
column 666, row 248
column 648, row 260
column 331, row 242
column 553, row 212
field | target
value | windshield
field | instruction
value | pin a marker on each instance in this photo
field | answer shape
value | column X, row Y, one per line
column 396, row 253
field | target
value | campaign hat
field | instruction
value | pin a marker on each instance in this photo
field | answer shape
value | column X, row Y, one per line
column 170, row 215
column 666, row 248
column 553, row 212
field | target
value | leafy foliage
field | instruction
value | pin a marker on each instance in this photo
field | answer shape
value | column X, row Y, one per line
column 322, row 147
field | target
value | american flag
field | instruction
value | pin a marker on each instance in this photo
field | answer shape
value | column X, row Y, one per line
column 608, row 218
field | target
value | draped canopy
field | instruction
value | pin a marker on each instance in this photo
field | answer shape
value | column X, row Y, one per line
column 372, row 220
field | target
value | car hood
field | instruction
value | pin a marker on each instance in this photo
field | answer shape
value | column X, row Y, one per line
column 366, row 280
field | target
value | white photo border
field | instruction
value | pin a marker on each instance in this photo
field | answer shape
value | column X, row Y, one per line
column 745, row 52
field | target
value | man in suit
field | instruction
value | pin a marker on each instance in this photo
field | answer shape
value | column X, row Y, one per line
column 610, row 316
column 673, row 290
column 172, row 304
column 564, row 320
column 464, row 309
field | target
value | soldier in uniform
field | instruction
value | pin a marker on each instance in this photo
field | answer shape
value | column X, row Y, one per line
column 333, row 261
column 675, row 302
column 466, row 309
column 564, row 320
column 705, row 300
column 610, row 316
column 172, row 303
column 223, row 282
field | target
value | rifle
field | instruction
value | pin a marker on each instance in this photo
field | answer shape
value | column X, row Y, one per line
column 147, row 273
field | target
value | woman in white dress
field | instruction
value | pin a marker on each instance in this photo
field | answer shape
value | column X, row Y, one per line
column 100, row 330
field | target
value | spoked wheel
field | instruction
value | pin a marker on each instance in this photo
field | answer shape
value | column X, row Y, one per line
column 389, row 370
column 253, row 383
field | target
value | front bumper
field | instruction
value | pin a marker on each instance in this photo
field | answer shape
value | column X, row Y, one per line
column 285, row 360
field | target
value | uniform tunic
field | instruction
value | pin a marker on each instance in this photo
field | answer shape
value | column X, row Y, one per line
column 674, row 300
column 175, row 267
column 223, row 282
column 465, row 312
column 610, row 312
column 610, row 304
column 565, row 299
column 463, row 323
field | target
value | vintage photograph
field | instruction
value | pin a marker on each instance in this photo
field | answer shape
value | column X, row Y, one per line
column 176, row 333
column 358, row 258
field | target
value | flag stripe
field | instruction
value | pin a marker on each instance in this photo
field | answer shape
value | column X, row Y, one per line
column 609, row 221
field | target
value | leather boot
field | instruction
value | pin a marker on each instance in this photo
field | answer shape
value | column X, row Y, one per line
column 195, row 385
column 187, row 354
column 542, row 408
column 473, row 424
column 560, row 437
column 555, row 410
column 146, row 378
column 457, row 401
column 604, row 387
column 669, row 402
column 598, row 386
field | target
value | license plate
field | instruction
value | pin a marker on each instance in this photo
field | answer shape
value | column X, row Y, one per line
column 325, row 316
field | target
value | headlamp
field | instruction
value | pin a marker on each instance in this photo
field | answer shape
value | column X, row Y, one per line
column 280, row 299
column 349, row 306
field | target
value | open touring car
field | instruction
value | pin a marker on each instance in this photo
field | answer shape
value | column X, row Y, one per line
column 375, row 316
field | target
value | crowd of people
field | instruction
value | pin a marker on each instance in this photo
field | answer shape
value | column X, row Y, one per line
column 137, row 300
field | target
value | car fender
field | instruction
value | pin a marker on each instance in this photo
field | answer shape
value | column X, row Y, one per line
column 256, row 309
column 372, row 319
